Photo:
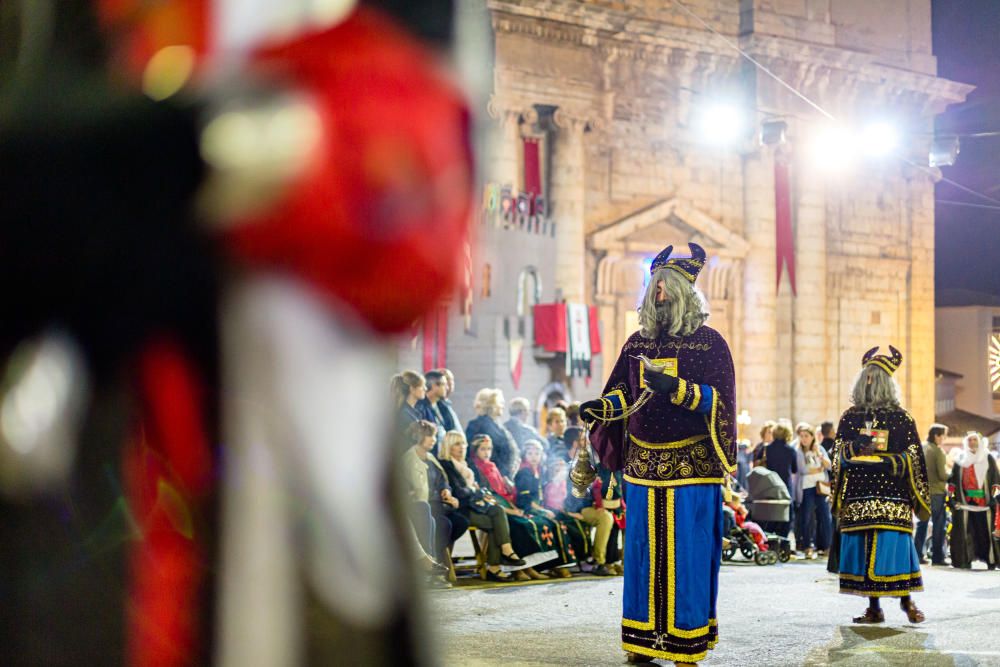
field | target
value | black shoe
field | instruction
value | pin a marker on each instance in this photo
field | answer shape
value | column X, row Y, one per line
column 438, row 568
column 501, row 577
column 510, row 560
column 602, row 571
column 924, row 561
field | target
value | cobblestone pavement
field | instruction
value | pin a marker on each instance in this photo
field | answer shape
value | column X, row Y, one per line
column 777, row 615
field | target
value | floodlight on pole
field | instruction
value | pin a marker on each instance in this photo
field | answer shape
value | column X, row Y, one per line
column 879, row 139
column 833, row 148
column 721, row 123
column 943, row 152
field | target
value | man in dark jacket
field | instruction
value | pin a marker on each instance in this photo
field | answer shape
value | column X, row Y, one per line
column 782, row 458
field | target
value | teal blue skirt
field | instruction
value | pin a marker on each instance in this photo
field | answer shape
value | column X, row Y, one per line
column 879, row 563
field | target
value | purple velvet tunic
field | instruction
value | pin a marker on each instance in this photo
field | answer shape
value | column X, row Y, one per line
column 688, row 437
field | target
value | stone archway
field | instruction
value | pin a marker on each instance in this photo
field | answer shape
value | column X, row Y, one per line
column 624, row 248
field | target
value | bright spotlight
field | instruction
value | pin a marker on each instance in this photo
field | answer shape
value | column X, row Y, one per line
column 833, row 148
column 879, row 139
column 721, row 123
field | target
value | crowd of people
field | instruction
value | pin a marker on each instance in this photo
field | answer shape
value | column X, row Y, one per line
column 963, row 483
column 505, row 480
column 510, row 483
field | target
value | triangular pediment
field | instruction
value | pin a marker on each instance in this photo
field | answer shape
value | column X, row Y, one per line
column 668, row 222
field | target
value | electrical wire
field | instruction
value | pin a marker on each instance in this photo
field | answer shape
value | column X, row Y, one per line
column 966, row 204
column 934, row 174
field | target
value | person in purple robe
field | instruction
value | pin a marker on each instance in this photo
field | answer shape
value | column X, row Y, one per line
column 667, row 420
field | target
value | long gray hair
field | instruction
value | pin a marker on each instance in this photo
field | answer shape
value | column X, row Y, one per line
column 874, row 388
column 684, row 311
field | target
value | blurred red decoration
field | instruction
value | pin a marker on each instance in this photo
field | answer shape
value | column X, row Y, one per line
column 379, row 221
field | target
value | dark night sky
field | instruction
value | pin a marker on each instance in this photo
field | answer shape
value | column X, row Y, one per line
column 967, row 46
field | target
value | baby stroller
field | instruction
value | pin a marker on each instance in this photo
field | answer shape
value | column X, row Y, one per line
column 770, row 502
column 741, row 539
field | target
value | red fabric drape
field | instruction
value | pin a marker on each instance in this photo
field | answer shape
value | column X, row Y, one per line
column 785, row 240
column 532, row 167
column 550, row 326
column 595, row 333
column 429, row 343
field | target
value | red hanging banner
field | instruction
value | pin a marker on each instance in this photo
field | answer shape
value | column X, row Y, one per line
column 784, row 237
column 442, row 337
column 532, row 166
column 429, row 343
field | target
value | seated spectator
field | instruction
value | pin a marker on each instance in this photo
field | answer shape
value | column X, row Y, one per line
column 573, row 414
column 479, row 507
column 528, row 483
column 588, row 512
column 737, row 512
column 524, row 533
column 426, row 482
column 607, row 494
column 418, row 505
column 520, row 413
column 489, row 406
column 555, row 427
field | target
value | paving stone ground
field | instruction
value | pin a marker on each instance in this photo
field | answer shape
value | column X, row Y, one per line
column 770, row 616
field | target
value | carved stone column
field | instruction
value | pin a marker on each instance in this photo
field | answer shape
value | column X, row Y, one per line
column 758, row 385
column 567, row 197
column 503, row 149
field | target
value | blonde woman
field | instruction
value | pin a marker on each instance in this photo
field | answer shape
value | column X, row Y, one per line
column 489, row 406
column 478, row 507
column 811, row 492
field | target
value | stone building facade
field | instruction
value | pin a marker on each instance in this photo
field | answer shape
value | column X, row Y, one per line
column 616, row 90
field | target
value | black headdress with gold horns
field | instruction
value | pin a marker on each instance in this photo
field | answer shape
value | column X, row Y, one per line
column 689, row 267
column 889, row 363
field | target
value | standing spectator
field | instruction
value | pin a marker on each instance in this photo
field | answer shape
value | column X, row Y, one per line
column 408, row 389
column 430, row 404
column 448, row 415
column 744, row 461
column 555, row 426
column 782, row 458
column 829, row 435
column 974, row 485
column 489, row 406
column 766, row 437
column 937, row 480
column 479, row 507
column 520, row 413
column 812, row 490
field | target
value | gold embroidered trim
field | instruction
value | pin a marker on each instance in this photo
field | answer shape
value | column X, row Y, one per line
column 696, row 397
column 877, row 526
column 921, row 489
column 677, row 398
column 676, row 444
column 672, row 575
column 879, row 578
column 651, row 532
column 665, row 655
column 875, row 509
column 713, row 428
column 672, row 482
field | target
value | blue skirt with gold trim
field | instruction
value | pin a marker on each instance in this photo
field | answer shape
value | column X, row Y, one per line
column 673, row 548
column 879, row 563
